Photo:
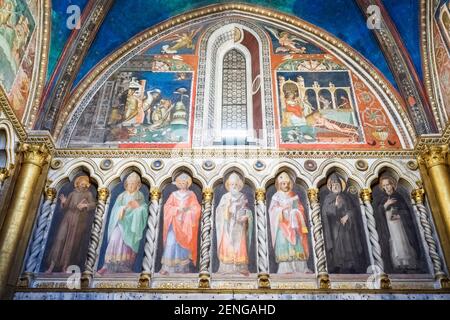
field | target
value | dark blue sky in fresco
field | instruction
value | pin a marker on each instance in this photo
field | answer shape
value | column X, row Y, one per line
column 341, row 18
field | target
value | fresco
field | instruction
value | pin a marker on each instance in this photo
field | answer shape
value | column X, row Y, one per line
column 345, row 244
column 443, row 67
column 234, row 248
column 317, row 107
column 69, row 233
column 16, row 28
column 179, row 236
column 122, row 248
column 397, row 228
column 289, row 228
column 286, row 42
column 148, row 101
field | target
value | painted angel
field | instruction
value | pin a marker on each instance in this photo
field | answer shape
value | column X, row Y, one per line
column 288, row 42
column 180, row 41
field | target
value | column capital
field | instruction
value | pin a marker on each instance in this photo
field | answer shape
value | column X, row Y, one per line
column 313, row 195
column 208, row 194
column 260, row 194
column 4, row 174
column 37, row 154
column 366, row 195
column 103, row 194
column 418, row 195
column 155, row 194
column 50, row 194
column 434, row 155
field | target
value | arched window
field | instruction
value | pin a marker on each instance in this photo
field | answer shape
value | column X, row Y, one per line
column 234, row 98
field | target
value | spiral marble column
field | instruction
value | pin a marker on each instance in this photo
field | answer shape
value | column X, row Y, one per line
column 263, row 251
column 88, row 273
column 37, row 244
column 205, row 246
column 319, row 243
column 417, row 197
column 150, row 238
column 366, row 197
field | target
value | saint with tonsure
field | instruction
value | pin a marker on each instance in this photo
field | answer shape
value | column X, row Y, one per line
column 180, row 230
column 126, row 226
column 234, row 225
column 289, row 230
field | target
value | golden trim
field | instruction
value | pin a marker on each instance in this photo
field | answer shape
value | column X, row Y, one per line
column 418, row 195
column 103, row 194
column 50, row 194
column 251, row 10
column 6, row 108
column 208, row 194
column 313, row 195
column 43, row 39
column 366, row 195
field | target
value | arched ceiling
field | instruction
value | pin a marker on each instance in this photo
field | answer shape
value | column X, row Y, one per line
column 342, row 18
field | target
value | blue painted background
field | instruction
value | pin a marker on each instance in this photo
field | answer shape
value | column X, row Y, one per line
column 342, row 18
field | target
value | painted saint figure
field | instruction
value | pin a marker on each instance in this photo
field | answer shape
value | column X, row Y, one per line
column 181, row 221
column 234, row 224
column 77, row 208
column 396, row 227
column 341, row 229
column 126, row 226
column 288, row 228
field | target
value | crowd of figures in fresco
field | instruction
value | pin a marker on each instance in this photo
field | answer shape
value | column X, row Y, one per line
column 234, row 245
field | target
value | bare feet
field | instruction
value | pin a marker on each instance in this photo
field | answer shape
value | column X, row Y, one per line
column 164, row 272
column 245, row 273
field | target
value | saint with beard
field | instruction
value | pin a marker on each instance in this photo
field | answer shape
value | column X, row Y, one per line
column 234, row 223
column 396, row 228
column 341, row 229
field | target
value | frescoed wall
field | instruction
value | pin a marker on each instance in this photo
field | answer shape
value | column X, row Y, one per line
column 442, row 51
column 17, row 51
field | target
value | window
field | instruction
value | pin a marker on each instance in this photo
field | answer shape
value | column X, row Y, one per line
column 234, row 98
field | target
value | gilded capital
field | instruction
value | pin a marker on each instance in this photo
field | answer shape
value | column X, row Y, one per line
column 103, row 194
column 155, row 194
column 313, row 195
column 435, row 156
column 50, row 194
column 418, row 195
column 366, row 195
column 208, row 194
column 260, row 195
column 37, row 154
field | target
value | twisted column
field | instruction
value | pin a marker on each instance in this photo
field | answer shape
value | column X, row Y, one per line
column 417, row 196
column 205, row 258
column 319, row 243
column 366, row 197
column 38, row 237
column 263, row 254
column 150, row 238
column 88, row 273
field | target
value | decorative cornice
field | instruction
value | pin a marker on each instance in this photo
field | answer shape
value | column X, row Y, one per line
column 289, row 21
